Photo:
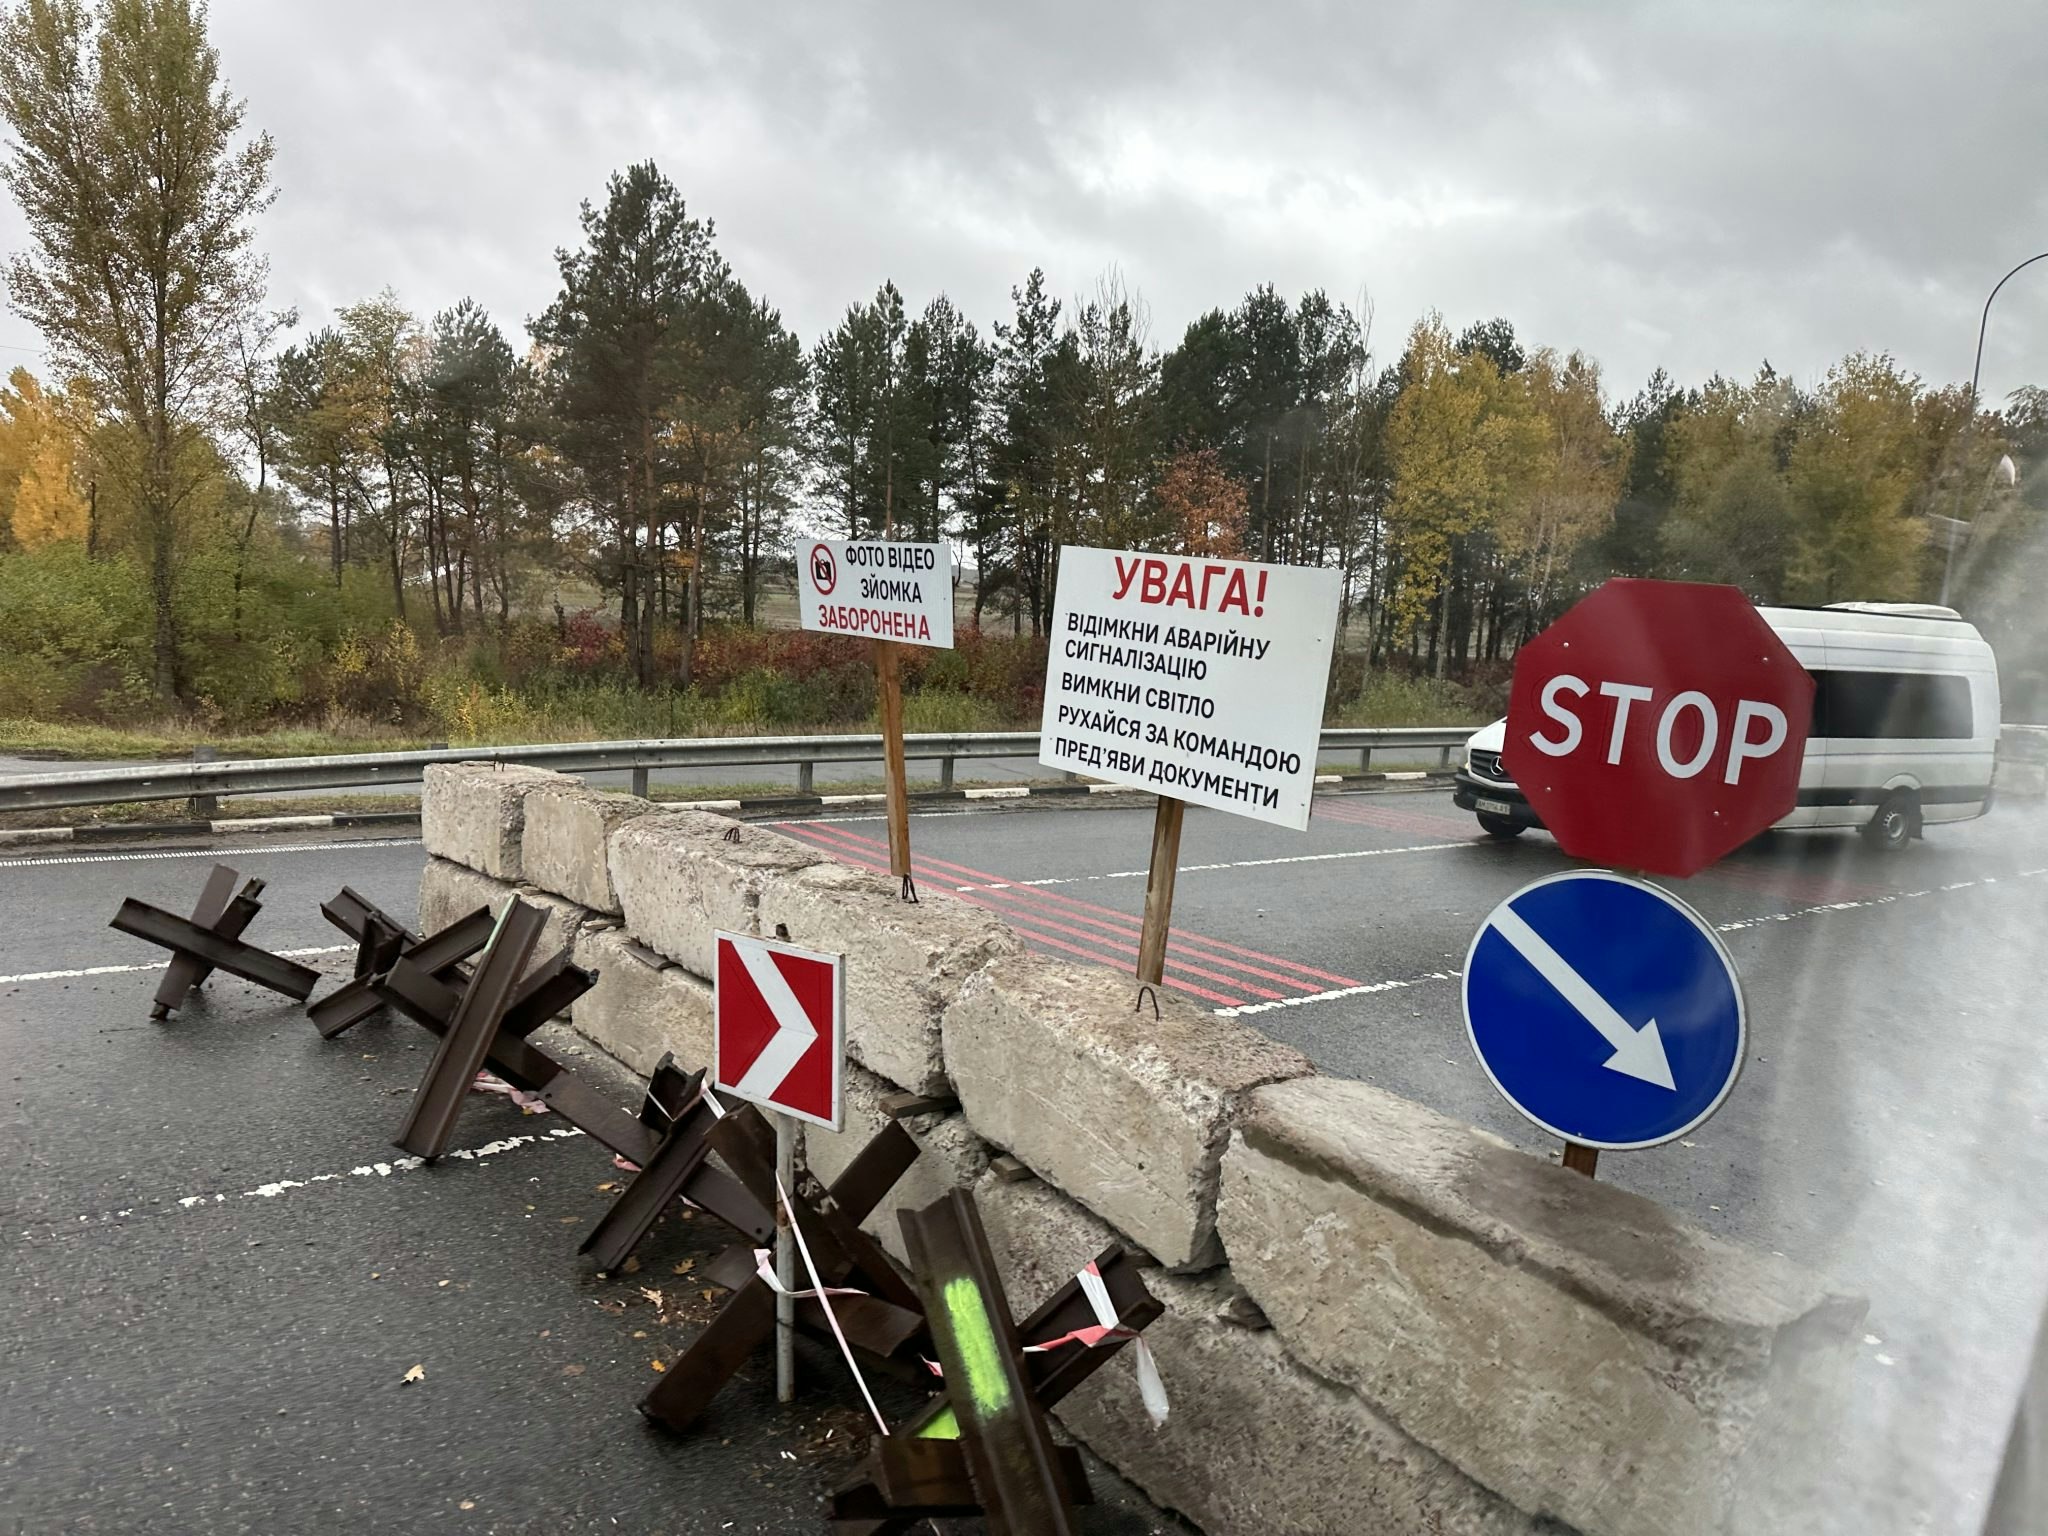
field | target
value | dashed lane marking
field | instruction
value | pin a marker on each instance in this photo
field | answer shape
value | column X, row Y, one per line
column 282, row 1186
column 122, row 970
column 220, row 851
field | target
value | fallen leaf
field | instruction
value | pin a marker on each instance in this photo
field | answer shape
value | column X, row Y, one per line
column 630, row 1267
column 444, row 1282
column 708, row 1295
column 417, row 1373
column 607, row 1184
column 376, row 1274
column 651, row 1294
column 467, row 1504
column 639, row 1333
column 657, row 1365
column 572, row 1370
column 682, row 1269
column 570, row 1221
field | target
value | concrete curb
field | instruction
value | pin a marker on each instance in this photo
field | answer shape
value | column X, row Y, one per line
column 122, row 831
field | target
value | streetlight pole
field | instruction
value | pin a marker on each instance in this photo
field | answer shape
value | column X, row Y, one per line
column 1970, row 421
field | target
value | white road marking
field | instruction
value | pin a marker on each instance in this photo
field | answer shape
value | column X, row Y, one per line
column 237, row 850
column 276, row 1187
column 157, row 965
column 1364, row 989
column 1875, row 901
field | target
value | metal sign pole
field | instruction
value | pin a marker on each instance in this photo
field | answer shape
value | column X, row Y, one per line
column 786, row 1133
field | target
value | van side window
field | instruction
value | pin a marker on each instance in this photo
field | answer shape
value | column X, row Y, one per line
column 1892, row 705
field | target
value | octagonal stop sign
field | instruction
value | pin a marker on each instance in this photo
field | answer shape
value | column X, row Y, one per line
column 1658, row 725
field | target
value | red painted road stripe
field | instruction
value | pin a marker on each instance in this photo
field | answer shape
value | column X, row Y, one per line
column 992, row 901
column 1215, row 951
column 1174, row 972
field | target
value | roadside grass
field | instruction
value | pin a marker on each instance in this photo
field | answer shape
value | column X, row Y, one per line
column 59, row 741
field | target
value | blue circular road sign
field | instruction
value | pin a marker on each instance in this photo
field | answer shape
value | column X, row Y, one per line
column 1604, row 1009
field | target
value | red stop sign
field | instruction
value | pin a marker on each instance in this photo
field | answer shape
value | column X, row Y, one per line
column 1658, row 725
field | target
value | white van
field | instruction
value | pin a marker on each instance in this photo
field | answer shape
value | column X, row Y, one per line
column 1905, row 725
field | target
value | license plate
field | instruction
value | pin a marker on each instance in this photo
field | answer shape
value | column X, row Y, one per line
column 1494, row 807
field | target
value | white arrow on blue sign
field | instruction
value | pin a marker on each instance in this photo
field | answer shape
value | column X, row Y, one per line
column 1604, row 1009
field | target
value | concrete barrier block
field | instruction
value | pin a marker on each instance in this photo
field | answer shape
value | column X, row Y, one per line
column 641, row 1006
column 475, row 813
column 1580, row 1350
column 951, row 1156
column 1128, row 1112
column 563, row 846
column 905, row 962
column 1255, row 1444
column 449, row 891
column 678, row 879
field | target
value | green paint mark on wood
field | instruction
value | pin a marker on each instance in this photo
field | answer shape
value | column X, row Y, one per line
column 944, row 1426
column 980, row 1354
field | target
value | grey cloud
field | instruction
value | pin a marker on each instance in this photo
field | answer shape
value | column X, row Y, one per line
column 1693, row 185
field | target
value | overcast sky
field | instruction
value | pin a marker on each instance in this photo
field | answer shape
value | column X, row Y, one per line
column 1697, row 186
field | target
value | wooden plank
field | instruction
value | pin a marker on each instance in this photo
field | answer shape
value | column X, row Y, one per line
column 430, row 1121
column 1011, row 1456
column 1159, row 878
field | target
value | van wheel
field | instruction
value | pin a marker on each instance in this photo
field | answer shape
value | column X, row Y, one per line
column 1896, row 821
column 1501, row 827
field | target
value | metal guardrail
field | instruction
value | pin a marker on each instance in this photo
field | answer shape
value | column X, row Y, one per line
column 256, row 776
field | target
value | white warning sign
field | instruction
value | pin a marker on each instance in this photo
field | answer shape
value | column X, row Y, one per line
column 1197, row 678
column 879, row 589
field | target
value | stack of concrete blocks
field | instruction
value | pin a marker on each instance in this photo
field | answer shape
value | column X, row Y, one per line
column 1377, row 1319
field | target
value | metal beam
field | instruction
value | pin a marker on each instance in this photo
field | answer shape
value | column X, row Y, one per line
column 431, row 1120
column 179, row 781
column 217, row 951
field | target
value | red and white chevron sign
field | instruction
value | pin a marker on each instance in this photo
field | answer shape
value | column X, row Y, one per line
column 779, row 1035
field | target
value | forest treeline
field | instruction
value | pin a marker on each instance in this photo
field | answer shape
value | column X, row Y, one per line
column 207, row 503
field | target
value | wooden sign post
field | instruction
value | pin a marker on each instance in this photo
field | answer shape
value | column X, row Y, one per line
column 896, row 593
column 1159, row 889
column 889, row 684
column 1199, row 679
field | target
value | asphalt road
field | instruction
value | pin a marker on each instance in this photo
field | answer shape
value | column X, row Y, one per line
column 1887, row 1128
column 219, row 1272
